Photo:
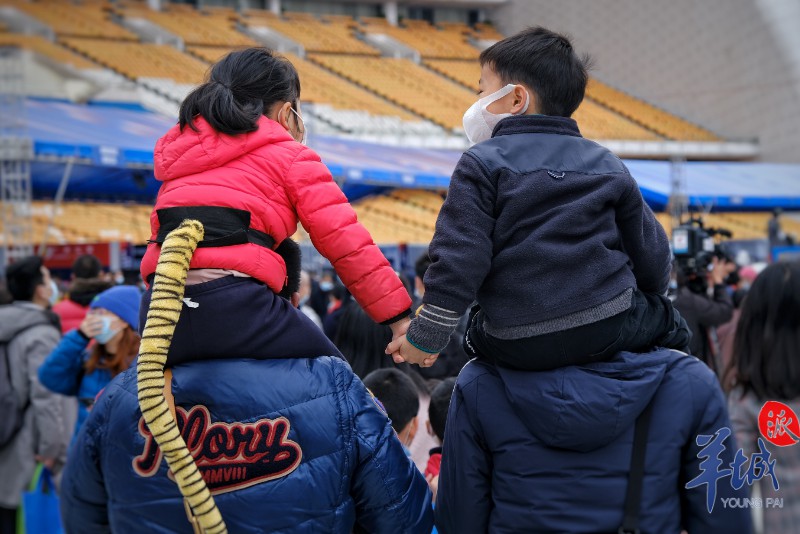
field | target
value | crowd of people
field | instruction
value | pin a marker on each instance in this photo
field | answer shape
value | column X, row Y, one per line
column 532, row 377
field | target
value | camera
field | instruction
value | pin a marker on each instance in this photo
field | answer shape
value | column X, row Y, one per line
column 694, row 246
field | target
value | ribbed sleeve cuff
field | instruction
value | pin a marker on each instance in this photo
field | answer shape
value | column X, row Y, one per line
column 430, row 330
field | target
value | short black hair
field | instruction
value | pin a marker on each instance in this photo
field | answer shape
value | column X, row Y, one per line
column 23, row 276
column 545, row 62
column 768, row 333
column 397, row 393
column 241, row 87
column 86, row 267
column 292, row 257
column 422, row 264
column 440, row 403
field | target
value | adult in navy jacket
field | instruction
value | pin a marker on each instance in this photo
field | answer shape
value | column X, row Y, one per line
column 551, row 451
column 286, row 436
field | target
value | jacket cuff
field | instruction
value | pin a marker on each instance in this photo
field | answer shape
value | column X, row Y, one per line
column 397, row 317
column 82, row 336
column 431, row 329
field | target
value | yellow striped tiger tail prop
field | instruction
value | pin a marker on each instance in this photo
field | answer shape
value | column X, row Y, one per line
column 162, row 316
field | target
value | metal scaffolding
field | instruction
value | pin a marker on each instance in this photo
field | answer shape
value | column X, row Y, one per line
column 678, row 203
column 16, row 153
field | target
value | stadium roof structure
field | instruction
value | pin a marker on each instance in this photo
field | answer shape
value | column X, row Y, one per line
column 111, row 150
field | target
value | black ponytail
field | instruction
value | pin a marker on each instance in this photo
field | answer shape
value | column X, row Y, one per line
column 241, row 87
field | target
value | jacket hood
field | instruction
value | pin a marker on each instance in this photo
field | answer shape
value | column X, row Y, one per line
column 15, row 318
column 83, row 291
column 585, row 408
column 181, row 153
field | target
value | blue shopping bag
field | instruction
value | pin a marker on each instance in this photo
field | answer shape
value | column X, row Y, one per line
column 40, row 512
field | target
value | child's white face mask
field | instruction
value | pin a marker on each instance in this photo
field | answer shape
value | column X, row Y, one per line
column 480, row 122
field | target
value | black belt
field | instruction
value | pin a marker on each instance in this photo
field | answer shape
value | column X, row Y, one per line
column 224, row 227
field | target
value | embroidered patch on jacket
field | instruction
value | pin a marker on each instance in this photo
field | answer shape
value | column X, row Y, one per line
column 230, row 456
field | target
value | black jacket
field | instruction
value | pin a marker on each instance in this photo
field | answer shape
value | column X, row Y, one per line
column 540, row 223
column 703, row 314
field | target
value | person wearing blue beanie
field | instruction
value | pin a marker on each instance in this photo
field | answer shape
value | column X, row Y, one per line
column 105, row 344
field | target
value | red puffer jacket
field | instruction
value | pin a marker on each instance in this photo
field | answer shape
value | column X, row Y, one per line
column 278, row 181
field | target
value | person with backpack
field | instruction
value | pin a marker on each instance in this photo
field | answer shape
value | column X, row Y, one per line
column 33, row 424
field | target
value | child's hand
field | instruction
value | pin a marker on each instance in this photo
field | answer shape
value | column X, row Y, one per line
column 403, row 351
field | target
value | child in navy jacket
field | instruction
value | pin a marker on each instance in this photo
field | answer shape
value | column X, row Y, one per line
column 547, row 230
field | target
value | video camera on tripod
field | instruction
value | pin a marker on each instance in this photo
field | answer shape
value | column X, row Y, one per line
column 695, row 246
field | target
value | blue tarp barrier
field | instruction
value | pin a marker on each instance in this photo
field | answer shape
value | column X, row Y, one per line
column 116, row 143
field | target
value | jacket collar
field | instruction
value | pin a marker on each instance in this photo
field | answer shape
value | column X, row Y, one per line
column 544, row 124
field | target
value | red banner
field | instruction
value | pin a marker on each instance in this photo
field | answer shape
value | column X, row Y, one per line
column 63, row 256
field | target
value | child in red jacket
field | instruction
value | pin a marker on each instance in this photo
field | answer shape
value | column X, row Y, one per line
column 236, row 162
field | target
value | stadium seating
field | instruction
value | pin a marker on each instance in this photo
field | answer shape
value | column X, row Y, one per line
column 406, row 84
column 429, row 41
column 214, row 27
column 384, row 90
column 331, row 35
column 46, row 48
column 486, row 32
column 657, row 120
column 141, row 60
column 402, row 216
column 321, row 87
column 91, row 222
column 67, row 19
column 399, row 216
column 597, row 122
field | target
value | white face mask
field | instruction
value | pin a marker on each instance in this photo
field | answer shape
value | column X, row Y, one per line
column 53, row 293
column 479, row 122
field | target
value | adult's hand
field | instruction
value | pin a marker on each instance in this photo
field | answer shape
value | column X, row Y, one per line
column 400, row 327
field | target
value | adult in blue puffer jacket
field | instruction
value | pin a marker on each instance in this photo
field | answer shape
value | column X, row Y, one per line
column 287, row 438
column 76, row 370
column 551, row 451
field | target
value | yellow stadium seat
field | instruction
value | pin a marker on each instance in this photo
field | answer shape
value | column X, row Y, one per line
column 70, row 19
column 651, row 117
column 141, row 60
column 214, row 27
column 448, row 42
column 42, row 46
column 401, row 81
column 91, row 222
column 402, row 216
column 327, row 35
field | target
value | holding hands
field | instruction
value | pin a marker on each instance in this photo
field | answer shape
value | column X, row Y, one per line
column 402, row 350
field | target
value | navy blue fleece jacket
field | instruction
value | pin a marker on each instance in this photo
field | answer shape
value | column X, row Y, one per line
column 539, row 224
